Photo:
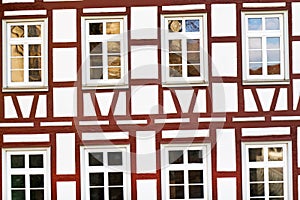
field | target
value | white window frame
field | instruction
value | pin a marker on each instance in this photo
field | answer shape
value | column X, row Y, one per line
column 205, row 166
column 283, row 77
column 7, row 171
column 25, row 86
column 87, row 83
column 165, row 36
column 286, row 164
column 85, row 169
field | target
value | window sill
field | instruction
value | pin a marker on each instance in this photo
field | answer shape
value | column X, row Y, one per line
column 267, row 82
column 105, row 87
column 25, row 89
column 204, row 84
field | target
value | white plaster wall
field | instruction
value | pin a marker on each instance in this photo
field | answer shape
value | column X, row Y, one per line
column 144, row 22
column 282, row 101
column 296, row 57
column 41, row 109
column 145, row 152
column 88, row 107
column 298, row 145
column 226, row 188
column 225, row 97
column 65, row 153
column 64, row 64
column 64, row 25
column 168, row 103
column 144, row 61
column 249, row 101
column 265, row 96
column 26, row 138
column 226, row 157
column 104, row 100
column 66, row 190
column 223, row 19
column 65, row 102
column 266, row 131
column 296, row 18
column 25, row 103
column 224, row 59
column 200, row 105
column 17, row 1
column 184, row 98
column 9, row 108
column 120, row 108
column 296, row 93
column 146, row 189
column 144, row 99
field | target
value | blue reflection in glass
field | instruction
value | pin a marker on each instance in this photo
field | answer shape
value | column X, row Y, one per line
column 272, row 23
column 273, row 43
column 192, row 25
column 254, row 24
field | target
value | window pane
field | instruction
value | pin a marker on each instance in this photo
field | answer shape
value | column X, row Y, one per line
column 177, row 192
column 17, row 50
column 35, row 63
column 273, row 43
column 34, row 31
column 96, row 193
column 113, row 28
column 114, row 73
column 272, row 23
column 175, row 71
column 175, row 25
column 254, row 24
column 35, row 50
column 276, row 174
column 96, row 179
column 17, row 63
column 176, row 177
column 114, row 158
column 276, row 199
column 255, row 68
column 174, row 45
column 257, row 189
column 115, row 178
column 175, row 58
column 17, row 31
column 255, row 43
column 255, row 56
column 192, row 25
column 193, row 58
column 113, row 47
column 96, row 60
column 195, row 156
column 96, row 28
column 17, row 76
column 273, row 56
column 18, row 181
column 276, row 189
column 36, row 161
column 35, row 75
column 95, row 47
column 18, row 194
column 175, row 157
column 193, row 44
column 116, row 193
column 36, row 194
column 273, row 68
column 96, row 159
column 37, row 181
column 195, row 176
column 193, row 70
column 256, row 174
column 196, row 191
column 96, row 73
column 256, row 154
column 114, row 60
column 17, row 161
column 275, row 154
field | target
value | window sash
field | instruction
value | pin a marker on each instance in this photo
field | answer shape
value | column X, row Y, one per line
column 25, row 41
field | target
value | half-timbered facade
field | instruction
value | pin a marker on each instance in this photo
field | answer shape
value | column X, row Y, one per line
column 149, row 100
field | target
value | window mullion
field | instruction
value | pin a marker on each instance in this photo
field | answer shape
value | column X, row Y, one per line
column 26, row 63
column 184, row 58
column 264, row 56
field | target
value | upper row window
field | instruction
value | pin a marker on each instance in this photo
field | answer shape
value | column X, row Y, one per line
column 184, row 51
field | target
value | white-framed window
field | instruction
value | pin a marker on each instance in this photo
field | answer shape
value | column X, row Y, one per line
column 186, row 171
column 104, row 50
column 184, row 49
column 26, row 174
column 105, row 172
column 265, row 47
column 25, row 54
column 267, row 171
